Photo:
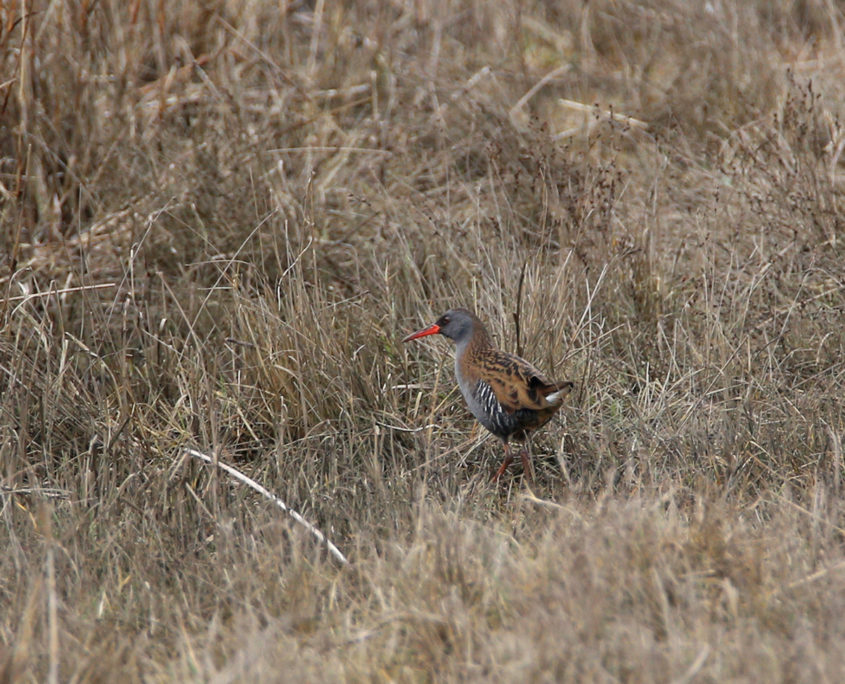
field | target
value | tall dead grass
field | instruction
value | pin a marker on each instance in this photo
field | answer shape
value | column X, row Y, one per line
column 218, row 221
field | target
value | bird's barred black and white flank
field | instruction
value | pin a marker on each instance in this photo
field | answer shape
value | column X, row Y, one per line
column 491, row 413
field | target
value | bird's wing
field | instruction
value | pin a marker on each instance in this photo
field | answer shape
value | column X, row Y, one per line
column 517, row 384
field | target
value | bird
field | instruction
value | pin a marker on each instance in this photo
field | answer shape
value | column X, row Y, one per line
column 505, row 393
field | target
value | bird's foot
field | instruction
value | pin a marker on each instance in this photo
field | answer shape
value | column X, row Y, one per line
column 527, row 468
column 502, row 468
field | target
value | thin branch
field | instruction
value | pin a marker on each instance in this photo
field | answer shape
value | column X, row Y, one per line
column 518, row 314
column 57, row 293
column 275, row 499
column 599, row 114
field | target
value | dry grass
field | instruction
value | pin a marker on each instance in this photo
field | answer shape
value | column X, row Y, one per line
column 219, row 219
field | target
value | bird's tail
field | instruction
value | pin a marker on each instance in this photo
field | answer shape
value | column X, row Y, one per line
column 559, row 390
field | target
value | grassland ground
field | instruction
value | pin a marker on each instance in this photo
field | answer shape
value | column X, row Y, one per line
column 219, row 220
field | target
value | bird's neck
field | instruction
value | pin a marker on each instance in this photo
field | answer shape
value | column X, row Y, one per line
column 468, row 349
column 478, row 341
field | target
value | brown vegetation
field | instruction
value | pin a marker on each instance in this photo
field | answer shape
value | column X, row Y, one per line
column 220, row 218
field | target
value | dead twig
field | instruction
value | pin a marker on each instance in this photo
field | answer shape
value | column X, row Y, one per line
column 275, row 499
column 518, row 314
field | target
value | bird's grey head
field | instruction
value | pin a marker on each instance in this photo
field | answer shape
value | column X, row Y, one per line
column 456, row 324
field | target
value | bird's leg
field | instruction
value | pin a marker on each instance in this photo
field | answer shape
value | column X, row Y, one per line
column 505, row 463
column 526, row 465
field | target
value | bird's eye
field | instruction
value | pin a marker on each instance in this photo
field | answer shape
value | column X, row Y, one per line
column 445, row 320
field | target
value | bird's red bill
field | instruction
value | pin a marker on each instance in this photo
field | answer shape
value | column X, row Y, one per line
column 430, row 330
